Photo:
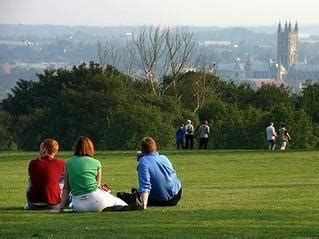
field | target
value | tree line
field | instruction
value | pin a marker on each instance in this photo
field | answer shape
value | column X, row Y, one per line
column 116, row 110
column 158, row 89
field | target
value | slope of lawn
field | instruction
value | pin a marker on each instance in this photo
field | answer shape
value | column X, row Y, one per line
column 226, row 194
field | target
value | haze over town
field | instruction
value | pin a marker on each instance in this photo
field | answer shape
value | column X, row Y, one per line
column 164, row 12
column 240, row 37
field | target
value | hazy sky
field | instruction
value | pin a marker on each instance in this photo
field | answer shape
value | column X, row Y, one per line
column 158, row 12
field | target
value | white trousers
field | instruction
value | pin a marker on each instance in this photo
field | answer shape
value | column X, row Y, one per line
column 283, row 145
column 95, row 201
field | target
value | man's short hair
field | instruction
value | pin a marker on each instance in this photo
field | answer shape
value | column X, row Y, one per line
column 148, row 145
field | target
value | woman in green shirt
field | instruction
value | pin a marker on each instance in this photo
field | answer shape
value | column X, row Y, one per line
column 83, row 180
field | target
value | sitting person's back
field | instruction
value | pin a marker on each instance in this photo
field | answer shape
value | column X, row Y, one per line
column 83, row 180
column 158, row 182
column 45, row 177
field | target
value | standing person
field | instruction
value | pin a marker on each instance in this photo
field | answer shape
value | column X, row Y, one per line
column 189, row 135
column 83, row 179
column 180, row 136
column 203, row 135
column 45, row 175
column 284, row 137
column 158, row 182
column 271, row 136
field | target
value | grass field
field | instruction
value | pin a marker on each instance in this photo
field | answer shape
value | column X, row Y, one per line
column 226, row 194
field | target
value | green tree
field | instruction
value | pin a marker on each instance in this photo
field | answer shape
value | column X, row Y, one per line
column 6, row 139
column 302, row 131
column 310, row 101
column 268, row 96
column 105, row 105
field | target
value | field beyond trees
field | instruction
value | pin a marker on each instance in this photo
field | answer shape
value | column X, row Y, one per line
column 226, row 194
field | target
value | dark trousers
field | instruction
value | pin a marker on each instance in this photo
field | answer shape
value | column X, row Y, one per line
column 178, row 145
column 189, row 138
column 203, row 143
column 271, row 144
column 172, row 202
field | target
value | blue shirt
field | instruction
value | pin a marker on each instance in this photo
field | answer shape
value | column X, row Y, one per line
column 157, row 177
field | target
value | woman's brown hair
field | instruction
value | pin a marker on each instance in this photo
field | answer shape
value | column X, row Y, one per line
column 83, row 147
column 49, row 147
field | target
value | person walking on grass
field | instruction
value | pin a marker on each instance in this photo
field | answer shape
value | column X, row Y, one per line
column 284, row 137
column 46, row 174
column 271, row 136
column 83, row 179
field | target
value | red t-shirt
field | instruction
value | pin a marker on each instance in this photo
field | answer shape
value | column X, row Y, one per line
column 45, row 174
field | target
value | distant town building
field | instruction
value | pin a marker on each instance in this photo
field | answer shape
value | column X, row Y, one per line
column 216, row 43
column 287, row 69
column 287, row 41
column 299, row 74
column 248, row 70
column 296, row 73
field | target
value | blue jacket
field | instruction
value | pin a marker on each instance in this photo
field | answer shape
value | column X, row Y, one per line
column 180, row 134
column 157, row 176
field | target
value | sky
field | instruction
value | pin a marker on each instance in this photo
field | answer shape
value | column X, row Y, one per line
column 158, row 12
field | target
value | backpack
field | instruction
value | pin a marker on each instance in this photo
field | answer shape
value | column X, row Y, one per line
column 189, row 130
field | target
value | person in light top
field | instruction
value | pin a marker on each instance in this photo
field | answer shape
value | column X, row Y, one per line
column 203, row 135
column 189, row 135
column 271, row 136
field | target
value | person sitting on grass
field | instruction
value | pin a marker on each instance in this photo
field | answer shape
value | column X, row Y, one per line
column 45, row 178
column 158, row 182
column 83, row 179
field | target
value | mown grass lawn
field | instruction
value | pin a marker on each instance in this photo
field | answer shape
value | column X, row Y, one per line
column 226, row 194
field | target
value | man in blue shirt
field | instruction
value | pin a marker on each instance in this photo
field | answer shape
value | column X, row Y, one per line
column 158, row 182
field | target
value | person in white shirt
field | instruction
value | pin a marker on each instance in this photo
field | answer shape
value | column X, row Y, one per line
column 271, row 136
column 189, row 135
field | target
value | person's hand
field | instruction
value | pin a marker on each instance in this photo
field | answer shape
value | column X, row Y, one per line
column 56, row 210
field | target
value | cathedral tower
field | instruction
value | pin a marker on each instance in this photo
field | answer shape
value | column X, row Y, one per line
column 287, row 45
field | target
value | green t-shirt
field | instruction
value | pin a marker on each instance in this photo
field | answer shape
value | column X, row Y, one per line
column 82, row 172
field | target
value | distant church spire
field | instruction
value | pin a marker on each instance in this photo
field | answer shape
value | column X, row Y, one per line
column 287, row 45
column 296, row 27
column 286, row 26
column 279, row 27
column 289, row 27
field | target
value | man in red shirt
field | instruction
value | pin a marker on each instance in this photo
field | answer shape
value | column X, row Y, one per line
column 46, row 177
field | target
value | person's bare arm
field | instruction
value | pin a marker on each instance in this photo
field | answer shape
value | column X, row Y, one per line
column 99, row 177
column 144, row 198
